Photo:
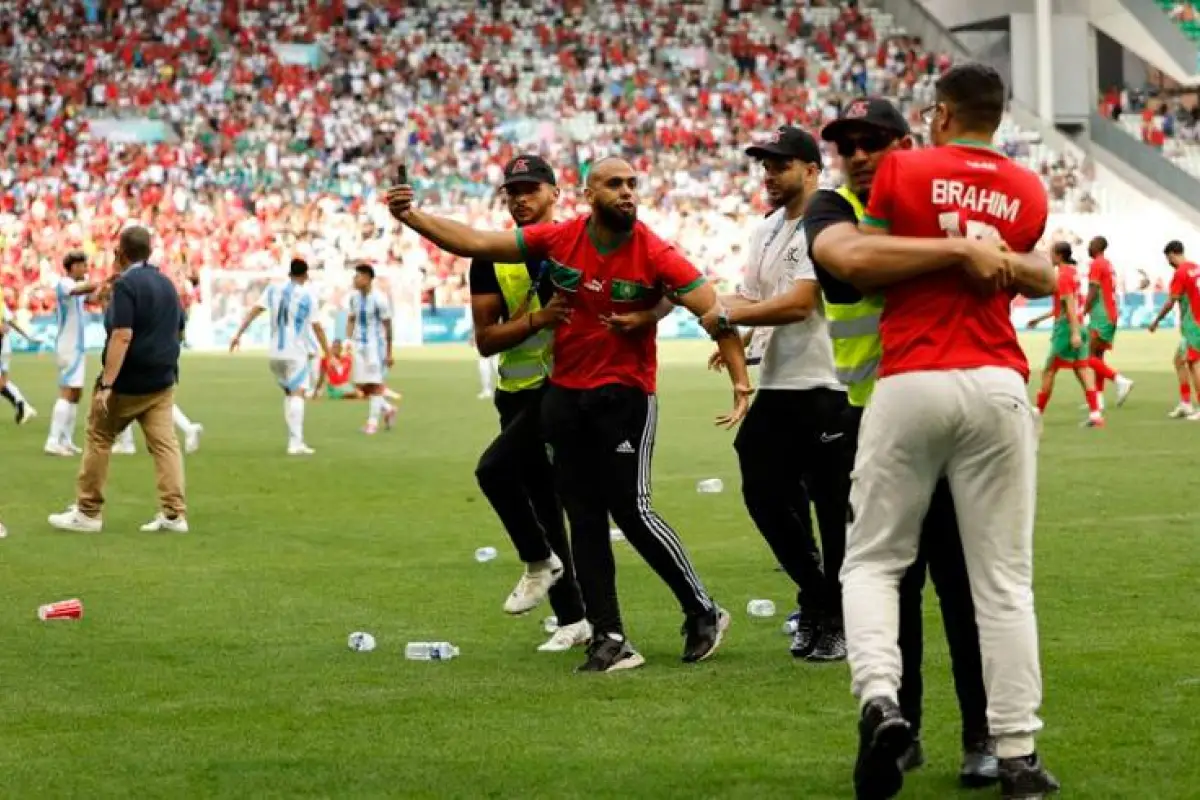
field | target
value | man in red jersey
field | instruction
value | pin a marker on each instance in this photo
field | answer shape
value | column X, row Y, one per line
column 1068, row 347
column 335, row 375
column 1185, row 291
column 1101, row 309
column 951, row 401
column 600, row 412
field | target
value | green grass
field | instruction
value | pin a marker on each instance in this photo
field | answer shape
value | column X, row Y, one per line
column 214, row 664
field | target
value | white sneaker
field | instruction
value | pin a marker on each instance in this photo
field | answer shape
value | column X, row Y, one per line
column 124, row 449
column 72, row 448
column 531, row 589
column 57, row 449
column 191, row 442
column 1182, row 410
column 568, row 636
column 162, row 523
column 1194, row 416
column 300, row 449
column 25, row 412
column 75, row 520
column 484, row 396
column 1124, row 387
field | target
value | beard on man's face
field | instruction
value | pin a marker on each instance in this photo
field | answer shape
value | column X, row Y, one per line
column 615, row 218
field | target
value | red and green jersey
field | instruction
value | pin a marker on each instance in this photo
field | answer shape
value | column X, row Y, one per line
column 939, row 321
column 1185, row 289
column 1103, row 310
column 337, row 370
column 1069, row 283
column 634, row 276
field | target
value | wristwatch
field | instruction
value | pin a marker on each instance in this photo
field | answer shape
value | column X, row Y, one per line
column 104, row 387
column 723, row 323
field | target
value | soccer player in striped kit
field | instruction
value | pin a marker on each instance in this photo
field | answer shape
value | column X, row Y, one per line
column 369, row 329
column 292, row 310
column 70, row 293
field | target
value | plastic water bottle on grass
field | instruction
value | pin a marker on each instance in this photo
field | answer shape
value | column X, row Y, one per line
column 710, row 486
column 430, row 651
column 760, row 608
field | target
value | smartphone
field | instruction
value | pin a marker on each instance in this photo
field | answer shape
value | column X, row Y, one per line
column 402, row 175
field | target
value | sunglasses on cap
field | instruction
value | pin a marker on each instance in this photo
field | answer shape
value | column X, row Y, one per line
column 867, row 141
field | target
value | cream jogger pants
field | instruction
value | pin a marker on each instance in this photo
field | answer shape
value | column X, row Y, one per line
column 976, row 427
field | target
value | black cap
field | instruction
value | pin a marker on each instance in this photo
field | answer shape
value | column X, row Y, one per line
column 1063, row 251
column 528, row 169
column 788, row 142
column 873, row 112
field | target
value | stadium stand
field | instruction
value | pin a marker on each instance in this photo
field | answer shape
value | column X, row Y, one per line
column 243, row 132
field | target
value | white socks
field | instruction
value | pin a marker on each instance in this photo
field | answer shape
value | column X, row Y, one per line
column 62, row 422
column 17, row 397
column 375, row 406
column 293, row 414
column 487, row 375
column 181, row 421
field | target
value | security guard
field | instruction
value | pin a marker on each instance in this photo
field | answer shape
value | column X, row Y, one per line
column 866, row 131
column 514, row 317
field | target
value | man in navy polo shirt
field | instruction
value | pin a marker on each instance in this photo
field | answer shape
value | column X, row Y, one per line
column 144, row 322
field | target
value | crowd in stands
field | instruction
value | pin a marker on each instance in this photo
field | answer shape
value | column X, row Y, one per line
column 283, row 119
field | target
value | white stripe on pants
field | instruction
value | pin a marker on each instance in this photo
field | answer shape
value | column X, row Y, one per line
column 976, row 427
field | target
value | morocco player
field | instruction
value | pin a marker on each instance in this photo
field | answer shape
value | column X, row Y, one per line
column 1101, row 310
column 335, row 375
column 1068, row 347
column 951, row 400
column 1184, row 286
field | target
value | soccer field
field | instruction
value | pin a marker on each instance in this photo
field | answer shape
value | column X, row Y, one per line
column 214, row 664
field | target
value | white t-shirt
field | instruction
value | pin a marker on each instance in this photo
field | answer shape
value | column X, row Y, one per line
column 799, row 355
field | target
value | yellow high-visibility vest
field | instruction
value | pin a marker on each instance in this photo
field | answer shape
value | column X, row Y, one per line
column 527, row 365
column 854, row 328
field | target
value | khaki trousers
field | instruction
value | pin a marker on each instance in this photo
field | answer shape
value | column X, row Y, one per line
column 153, row 412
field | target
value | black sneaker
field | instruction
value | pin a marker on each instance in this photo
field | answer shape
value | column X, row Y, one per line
column 884, row 737
column 22, row 411
column 808, row 630
column 1025, row 779
column 610, row 652
column 913, row 758
column 980, row 767
column 703, row 633
column 831, row 645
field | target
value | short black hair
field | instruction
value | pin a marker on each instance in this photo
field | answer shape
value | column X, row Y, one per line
column 299, row 267
column 74, row 257
column 1099, row 242
column 977, row 93
column 1173, row 248
column 366, row 269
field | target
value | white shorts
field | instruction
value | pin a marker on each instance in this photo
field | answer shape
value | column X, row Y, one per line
column 368, row 370
column 5, row 352
column 71, row 367
column 291, row 373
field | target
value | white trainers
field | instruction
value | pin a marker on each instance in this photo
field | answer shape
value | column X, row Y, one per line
column 1181, row 411
column 75, row 520
column 1194, row 416
column 191, row 441
column 531, row 589
column 57, row 449
column 1124, row 387
column 300, row 449
column 162, row 523
column 568, row 636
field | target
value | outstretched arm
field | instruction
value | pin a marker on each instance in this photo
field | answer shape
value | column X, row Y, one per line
column 454, row 237
column 873, row 262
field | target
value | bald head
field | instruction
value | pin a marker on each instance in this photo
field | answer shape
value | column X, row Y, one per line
column 135, row 244
column 606, row 167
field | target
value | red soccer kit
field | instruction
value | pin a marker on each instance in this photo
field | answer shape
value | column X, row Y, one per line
column 1185, row 284
column 633, row 277
column 337, row 370
column 939, row 321
column 1102, row 274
